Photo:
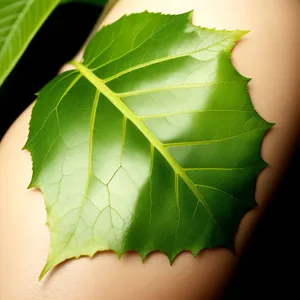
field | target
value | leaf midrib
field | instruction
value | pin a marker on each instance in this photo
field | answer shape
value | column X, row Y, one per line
column 116, row 101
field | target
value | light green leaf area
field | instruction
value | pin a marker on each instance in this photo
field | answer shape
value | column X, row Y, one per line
column 151, row 144
column 19, row 22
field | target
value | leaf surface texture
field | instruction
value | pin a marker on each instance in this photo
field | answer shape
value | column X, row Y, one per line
column 152, row 143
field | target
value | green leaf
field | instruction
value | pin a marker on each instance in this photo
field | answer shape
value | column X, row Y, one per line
column 151, row 144
column 19, row 22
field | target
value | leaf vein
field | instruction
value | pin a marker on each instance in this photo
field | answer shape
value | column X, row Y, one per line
column 170, row 87
column 110, row 61
column 158, row 60
column 56, row 107
column 176, row 113
column 214, row 188
column 204, row 142
column 89, row 173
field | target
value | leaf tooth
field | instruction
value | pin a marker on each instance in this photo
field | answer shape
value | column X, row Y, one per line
column 145, row 254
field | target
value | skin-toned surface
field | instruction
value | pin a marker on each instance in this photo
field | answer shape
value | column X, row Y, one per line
column 270, row 55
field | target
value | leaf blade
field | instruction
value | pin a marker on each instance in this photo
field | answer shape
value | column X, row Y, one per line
column 170, row 169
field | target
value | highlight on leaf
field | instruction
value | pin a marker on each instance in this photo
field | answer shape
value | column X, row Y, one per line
column 152, row 143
